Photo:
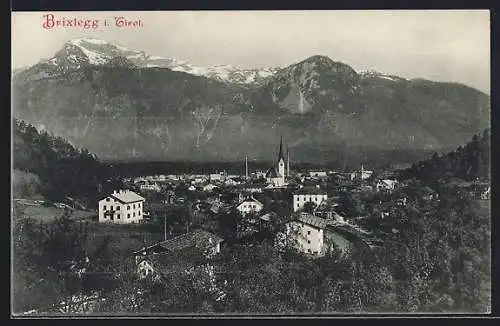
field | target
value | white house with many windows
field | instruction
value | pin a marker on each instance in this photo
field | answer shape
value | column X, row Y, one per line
column 317, row 174
column 305, row 195
column 308, row 233
column 316, row 236
column 122, row 206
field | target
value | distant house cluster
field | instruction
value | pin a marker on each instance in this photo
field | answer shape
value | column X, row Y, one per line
column 305, row 203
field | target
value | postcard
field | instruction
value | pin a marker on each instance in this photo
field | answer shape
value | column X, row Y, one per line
column 250, row 163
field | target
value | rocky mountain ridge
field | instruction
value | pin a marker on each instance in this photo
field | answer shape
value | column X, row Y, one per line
column 118, row 107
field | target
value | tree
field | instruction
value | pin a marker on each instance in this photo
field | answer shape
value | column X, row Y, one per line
column 309, row 207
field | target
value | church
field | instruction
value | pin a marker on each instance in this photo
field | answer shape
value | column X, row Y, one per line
column 276, row 176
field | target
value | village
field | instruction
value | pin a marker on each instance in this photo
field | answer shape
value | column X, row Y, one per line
column 310, row 211
column 299, row 209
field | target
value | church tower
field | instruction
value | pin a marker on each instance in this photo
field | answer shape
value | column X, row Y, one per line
column 281, row 161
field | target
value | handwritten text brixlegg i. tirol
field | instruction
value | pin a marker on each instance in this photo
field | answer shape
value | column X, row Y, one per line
column 50, row 21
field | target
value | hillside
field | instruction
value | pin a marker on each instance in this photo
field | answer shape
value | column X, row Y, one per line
column 49, row 166
column 119, row 108
column 469, row 162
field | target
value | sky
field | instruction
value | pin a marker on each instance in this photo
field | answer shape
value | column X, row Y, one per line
column 440, row 45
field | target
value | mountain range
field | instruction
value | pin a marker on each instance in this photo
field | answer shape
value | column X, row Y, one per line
column 124, row 104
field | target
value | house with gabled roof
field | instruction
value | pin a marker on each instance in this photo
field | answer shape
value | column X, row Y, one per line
column 178, row 254
column 386, row 184
column 122, row 206
column 316, row 236
column 249, row 205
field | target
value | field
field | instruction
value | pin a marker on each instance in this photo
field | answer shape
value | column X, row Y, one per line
column 47, row 214
column 123, row 240
column 124, row 237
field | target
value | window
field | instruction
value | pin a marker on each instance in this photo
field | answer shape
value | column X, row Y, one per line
column 308, row 232
column 117, row 208
column 139, row 213
column 128, row 207
column 298, row 205
column 134, row 214
column 118, row 217
column 134, row 206
column 128, row 215
column 139, row 205
column 104, row 207
column 107, row 199
column 308, row 241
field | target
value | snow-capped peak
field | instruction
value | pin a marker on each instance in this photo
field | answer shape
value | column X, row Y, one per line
column 93, row 51
column 78, row 41
column 375, row 73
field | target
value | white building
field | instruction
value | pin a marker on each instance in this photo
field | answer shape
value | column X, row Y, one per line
column 317, row 174
column 150, row 187
column 306, row 195
column 361, row 174
column 386, row 184
column 231, row 182
column 123, row 206
column 249, row 205
column 217, row 177
column 209, row 187
column 314, row 235
column 307, row 233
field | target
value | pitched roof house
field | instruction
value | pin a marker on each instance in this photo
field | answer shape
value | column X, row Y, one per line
column 123, row 206
column 249, row 205
column 177, row 254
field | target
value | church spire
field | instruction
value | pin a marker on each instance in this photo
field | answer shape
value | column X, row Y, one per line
column 287, row 162
column 280, row 155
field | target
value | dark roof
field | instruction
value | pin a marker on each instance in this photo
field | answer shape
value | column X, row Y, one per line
column 127, row 196
column 272, row 173
column 269, row 216
column 249, row 199
column 312, row 220
column 348, row 233
column 310, row 191
column 198, row 238
column 179, row 261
